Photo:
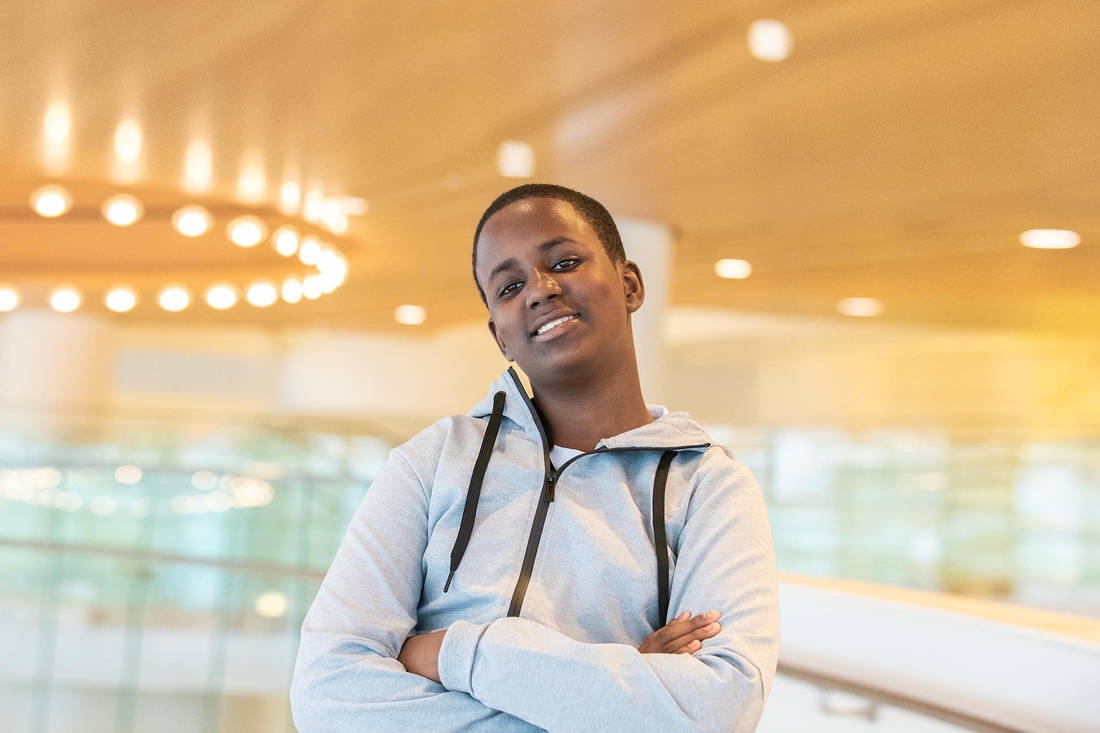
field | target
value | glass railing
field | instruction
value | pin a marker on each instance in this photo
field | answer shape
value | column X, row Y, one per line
column 152, row 565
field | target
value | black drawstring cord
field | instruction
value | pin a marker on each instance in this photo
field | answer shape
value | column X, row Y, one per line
column 660, row 541
column 469, row 511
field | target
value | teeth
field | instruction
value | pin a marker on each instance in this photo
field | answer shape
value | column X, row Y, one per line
column 554, row 324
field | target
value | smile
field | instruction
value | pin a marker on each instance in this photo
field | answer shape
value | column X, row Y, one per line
column 554, row 324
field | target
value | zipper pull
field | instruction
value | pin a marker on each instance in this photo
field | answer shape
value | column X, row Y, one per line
column 548, row 495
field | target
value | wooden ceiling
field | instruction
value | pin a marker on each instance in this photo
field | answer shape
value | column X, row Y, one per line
column 898, row 152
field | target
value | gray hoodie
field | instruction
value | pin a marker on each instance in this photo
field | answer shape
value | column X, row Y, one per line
column 553, row 585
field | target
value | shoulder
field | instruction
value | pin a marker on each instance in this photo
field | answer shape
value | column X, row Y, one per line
column 456, row 435
column 718, row 472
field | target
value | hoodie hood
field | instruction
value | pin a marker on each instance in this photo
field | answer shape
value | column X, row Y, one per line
column 672, row 431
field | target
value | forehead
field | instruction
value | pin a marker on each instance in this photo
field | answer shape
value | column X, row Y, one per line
column 521, row 226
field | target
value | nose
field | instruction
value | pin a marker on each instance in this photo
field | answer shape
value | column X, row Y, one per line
column 543, row 287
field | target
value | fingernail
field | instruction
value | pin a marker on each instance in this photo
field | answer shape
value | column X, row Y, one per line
column 711, row 615
column 682, row 616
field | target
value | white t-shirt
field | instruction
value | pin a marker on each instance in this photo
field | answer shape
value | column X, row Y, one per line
column 559, row 455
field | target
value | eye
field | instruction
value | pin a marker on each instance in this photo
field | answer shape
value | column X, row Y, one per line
column 566, row 263
column 508, row 289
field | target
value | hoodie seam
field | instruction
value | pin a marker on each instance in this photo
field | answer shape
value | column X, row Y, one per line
column 416, row 474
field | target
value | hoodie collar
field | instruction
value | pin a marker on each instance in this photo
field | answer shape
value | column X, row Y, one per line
column 671, row 431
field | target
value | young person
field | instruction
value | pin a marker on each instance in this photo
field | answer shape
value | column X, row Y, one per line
column 572, row 561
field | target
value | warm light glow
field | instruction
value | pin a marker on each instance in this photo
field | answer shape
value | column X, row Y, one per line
column 262, row 293
column 291, row 290
column 204, row 480
column 65, row 299
column 769, row 40
column 271, row 604
column 51, row 201
column 246, row 231
column 1050, row 239
column 9, row 298
column 192, row 221
column 314, row 206
column 122, row 210
column 733, row 269
column 198, row 165
column 251, row 183
column 221, row 296
column 310, row 251
column 174, row 298
column 354, row 206
column 285, row 241
column 861, row 307
column 120, row 299
column 56, row 131
column 332, row 214
column 515, row 159
column 410, row 315
column 290, row 198
column 127, row 474
column 312, row 287
column 128, row 141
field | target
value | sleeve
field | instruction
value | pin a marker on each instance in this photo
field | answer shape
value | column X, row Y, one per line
column 726, row 561
column 347, row 677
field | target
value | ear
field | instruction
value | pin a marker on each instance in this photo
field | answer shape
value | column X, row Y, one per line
column 633, row 286
column 500, row 342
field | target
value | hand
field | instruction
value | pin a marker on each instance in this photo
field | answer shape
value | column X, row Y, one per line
column 420, row 654
column 682, row 635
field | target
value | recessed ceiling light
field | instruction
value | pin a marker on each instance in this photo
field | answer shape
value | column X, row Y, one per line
column 58, row 123
column 252, row 182
column 861, row 307
column 128, row 141
column 51, row 201
column 174, row 298
column 515, row 159
column 312, row 288
column 198, row 165
column 285, row 241
column 122, row 210
column 65, row 299
column 292, row 290
column 769, row 40
column 310, row 251
column 1050, row 239
column 733, row 269
column 221, row 296
column 410, row 315
column 120, row 299
column 262, row 293
column 9, row 298
column 246, row 231
column 192, row 221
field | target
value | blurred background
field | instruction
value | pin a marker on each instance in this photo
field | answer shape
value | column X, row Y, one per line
column 234, row 272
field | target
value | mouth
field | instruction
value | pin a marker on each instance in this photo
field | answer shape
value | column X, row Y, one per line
column 551, row 326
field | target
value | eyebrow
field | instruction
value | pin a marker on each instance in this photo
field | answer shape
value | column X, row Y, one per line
column 511, row 261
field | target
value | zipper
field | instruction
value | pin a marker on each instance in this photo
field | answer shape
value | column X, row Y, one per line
column 549, row 482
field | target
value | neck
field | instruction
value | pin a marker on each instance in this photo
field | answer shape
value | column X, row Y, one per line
column 582, row 412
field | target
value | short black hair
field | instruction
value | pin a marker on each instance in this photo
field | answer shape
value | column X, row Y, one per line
column 589, row 209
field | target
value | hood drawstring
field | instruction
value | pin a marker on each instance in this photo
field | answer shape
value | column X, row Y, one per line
column 660, row 541
column 469, row 511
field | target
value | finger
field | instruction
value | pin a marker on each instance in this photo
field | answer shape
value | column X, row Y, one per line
column 690, row 648
column 700, row 634
column 683, row 627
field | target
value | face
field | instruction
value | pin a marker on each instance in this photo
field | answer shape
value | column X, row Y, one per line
column 558, row 306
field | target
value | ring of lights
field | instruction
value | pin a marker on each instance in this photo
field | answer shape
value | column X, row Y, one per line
column 327, row 266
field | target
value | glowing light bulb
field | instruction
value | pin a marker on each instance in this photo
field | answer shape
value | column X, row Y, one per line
column 285, row 241
column 9, row 298
column 221, row 296
column 246, row 231
column 128, row 141
column 174, row 298
column 312, row 288
column 515, row 159
column 252, row 183
column 198, row 166
column 56, row 131
column 65, row 299
column 1050, row 239
column 861, row 307
column 290, row 198
column 769, row 40
column 410, row 315
column 51, row 201
column 122, row 210
column 192, row 221
column 291, row 290
column 271, row 604
column 733, row 269
column 120, row 299
column 310, row 251
column 314, row 206
column 128, row 474
column 262, row 293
